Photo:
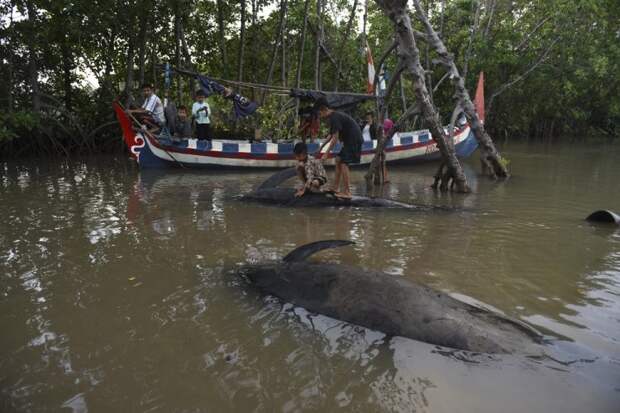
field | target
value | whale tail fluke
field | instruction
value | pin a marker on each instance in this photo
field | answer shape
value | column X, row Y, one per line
column 604, row 216
column 303, row 252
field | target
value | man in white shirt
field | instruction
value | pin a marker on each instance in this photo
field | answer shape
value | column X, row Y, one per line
column 152, row 106
column 201, row 112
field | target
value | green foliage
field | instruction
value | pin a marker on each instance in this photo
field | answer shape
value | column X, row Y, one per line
column 17, row 125
column 504, row 161
column 79, row 52
column 576, row 88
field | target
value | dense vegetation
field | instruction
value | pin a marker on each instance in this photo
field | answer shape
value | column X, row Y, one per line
column 551, row 66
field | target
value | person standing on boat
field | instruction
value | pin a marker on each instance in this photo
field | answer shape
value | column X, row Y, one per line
column 200, row 113
column 152, row 110
column 310, row 171
column 182, row 125
column 344, row 128
column 369, row 131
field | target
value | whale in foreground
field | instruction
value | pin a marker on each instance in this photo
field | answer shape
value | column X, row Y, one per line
column 269, row 192
column 393, row 305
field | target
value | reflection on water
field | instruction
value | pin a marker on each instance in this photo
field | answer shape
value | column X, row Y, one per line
column 119, row 291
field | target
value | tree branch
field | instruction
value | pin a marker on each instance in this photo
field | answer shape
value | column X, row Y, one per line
column 527, row 37
column 522, row 76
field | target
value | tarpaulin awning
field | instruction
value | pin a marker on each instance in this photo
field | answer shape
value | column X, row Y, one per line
column 336, row 100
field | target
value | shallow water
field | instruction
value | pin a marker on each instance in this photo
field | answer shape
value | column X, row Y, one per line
column 119, row 291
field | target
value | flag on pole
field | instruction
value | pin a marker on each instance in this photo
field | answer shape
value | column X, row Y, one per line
column 370, row 86
column 479, row 99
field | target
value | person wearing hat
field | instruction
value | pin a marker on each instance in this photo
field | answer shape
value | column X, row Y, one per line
column 200, row 113
column 344, row 128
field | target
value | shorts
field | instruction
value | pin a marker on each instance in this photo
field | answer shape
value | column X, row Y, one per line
column 350, row 155
column 203, row 131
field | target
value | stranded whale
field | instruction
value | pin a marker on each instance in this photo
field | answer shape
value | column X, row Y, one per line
column 605, row 216
column 393, row 305
column 269, row 192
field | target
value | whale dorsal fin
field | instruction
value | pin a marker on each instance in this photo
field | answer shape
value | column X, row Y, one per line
column 277, row 178
column 303, row 252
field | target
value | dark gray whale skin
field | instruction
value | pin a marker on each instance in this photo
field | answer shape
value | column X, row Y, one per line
column 604, row 216
column 393, row 305
column 286, row 197
column 269, row 192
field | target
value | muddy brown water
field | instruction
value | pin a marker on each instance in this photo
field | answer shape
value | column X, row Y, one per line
column 119, row 291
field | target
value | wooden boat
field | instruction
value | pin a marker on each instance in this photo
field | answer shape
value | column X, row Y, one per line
column 151, row 152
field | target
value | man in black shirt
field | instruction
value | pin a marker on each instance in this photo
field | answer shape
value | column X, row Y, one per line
column 341, row 127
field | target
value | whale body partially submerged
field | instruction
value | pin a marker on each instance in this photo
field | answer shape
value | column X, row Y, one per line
column 604, row 216
column 269, row 192
column 393, row 305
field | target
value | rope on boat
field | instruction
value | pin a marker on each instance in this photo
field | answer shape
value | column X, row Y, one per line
column 278, row 90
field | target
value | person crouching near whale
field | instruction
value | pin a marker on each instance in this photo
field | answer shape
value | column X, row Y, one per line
column 310, row 171
column 344, row 128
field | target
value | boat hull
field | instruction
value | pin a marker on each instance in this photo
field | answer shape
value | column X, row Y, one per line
column 197, row 154
column 149, row 152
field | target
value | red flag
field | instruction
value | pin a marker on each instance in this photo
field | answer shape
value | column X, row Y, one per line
column 479, row 99
column 370, row 86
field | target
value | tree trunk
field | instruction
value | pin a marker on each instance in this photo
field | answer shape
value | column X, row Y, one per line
column 472, row 34
column 283, row 43
column 9, row 98
column 241, row 43
column 364, row 20
column 10, row 39
column 129, row 76
column 319, row 41
column 274, row 53
column 177, row 51
column 490, row 157
column 253, row 44
column 188, row 58
column 397, row 12
column 300, row 58
column 142, row 50
column 153, row 61
column 403, row 96
column 107, row 86
column 222, row 35
column 490, row 19
column 427, row 66
column 33, row 71
column 441, row 18
column 343, row 43
column 66, row 69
